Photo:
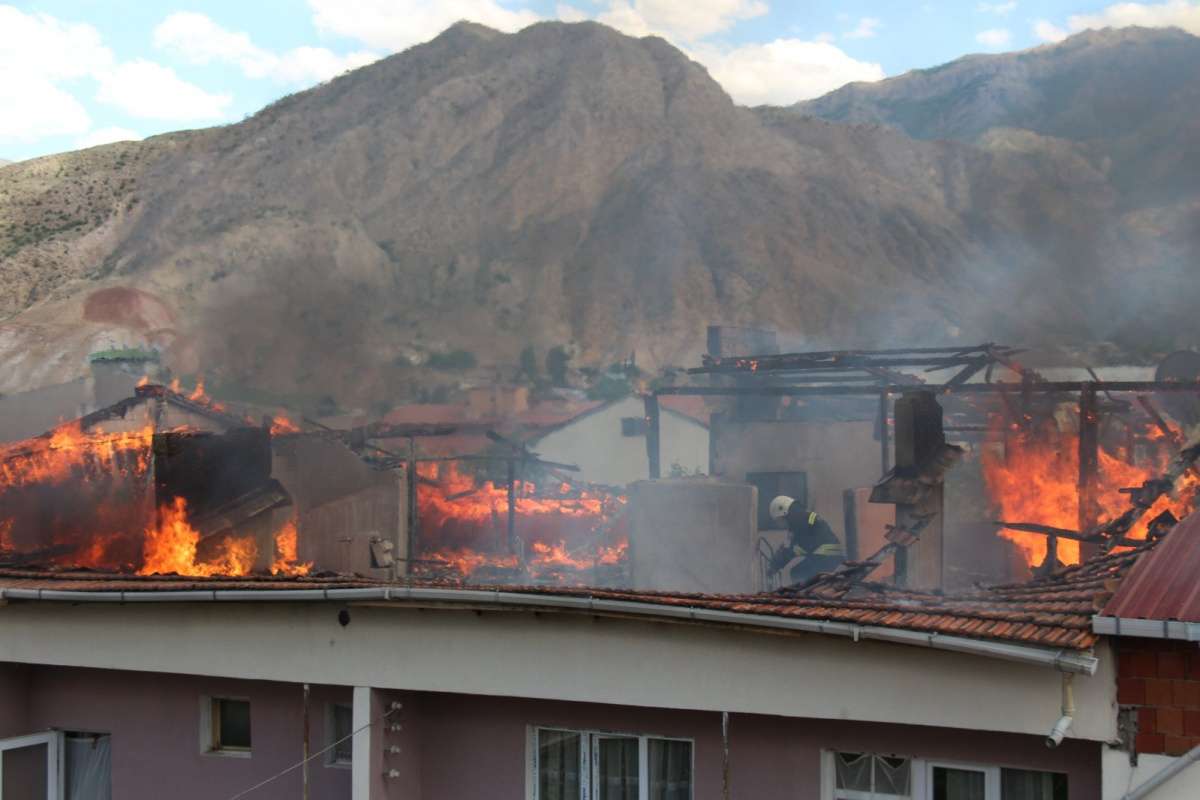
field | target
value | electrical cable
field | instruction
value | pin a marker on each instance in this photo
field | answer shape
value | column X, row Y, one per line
column 300, row 764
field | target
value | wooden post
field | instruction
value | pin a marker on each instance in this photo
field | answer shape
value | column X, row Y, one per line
column 1089, row 462
column 653, row 432
column 512, row 506
column 884, row 435
column 850, row 515
column 411, row 470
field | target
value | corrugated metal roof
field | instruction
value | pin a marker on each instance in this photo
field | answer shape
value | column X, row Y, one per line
column 1165, row 583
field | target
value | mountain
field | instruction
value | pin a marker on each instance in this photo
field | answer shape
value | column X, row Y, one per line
column 562, row 186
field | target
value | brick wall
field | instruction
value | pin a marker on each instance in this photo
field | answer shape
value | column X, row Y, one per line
column 1161, row 680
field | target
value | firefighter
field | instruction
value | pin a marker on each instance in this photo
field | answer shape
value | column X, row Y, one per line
column 809, row 538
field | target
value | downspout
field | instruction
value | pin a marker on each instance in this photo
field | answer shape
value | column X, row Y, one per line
column 1165, row 774
column 1068, row 712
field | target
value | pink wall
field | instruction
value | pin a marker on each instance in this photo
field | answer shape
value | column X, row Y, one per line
column 155, row 725
column 460, row 747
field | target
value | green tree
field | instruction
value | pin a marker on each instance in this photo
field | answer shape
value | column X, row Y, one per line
column 556, row 366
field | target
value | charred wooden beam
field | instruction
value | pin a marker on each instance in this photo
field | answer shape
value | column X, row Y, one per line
column 1089, row 457
column 653, row 434
column 1048, row 387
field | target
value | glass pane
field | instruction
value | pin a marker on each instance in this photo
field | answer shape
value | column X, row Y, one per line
column 24, row 771
column 892, row 775
column 958, row 784
column 1024, row 784
column 233, row 732
column 670, row 769
column 558, row 765
column 853, row 771
column 618, row 769
column 343, row 725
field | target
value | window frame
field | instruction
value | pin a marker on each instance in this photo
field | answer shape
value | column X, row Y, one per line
column 589, row 758
column 210, row 730
column 331, row 735
column 55, row 760
column 921, row 770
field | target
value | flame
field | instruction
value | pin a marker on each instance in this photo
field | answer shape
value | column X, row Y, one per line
column 175, row 387
column 143, row 381
column 197, row 395
column 170, row 547
column 463, row 526
column 69, row 453
column 281, row 425
column 1039, row 482
column 286, row 558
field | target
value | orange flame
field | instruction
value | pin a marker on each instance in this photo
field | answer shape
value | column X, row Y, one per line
column 286, row 558
column 69, row 452
column 170, row 547
column 281, row 425
column 198, row 394
column 1039, row 482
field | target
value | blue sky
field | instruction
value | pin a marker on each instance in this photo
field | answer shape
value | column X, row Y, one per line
column 80, row 72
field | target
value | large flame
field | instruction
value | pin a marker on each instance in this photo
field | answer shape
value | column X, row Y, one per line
column 560, row 533
column 287, row 562
column 1038, row 481
column 69, row 453
column 170, row 547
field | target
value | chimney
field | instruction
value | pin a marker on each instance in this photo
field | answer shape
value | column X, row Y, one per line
column 916, row 487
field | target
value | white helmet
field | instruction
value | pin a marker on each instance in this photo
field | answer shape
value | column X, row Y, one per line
column 780, row 506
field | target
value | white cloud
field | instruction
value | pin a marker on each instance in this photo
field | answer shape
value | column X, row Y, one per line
column 994, row 39
column 1173, row 13
column 999, row 9
column 784, row 71
column 101, row 136
column 1048, row 31
column 397, row 24
column 685, row 20
column 148, row 90
column 199, row 40
column 40, row 45
column 34, row 108
column 867, row 28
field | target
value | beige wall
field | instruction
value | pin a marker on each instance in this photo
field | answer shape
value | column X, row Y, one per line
column 594, row 442
column 1120, row 776
column 562, row 656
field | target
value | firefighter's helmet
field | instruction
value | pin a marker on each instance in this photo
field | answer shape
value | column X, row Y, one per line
column 780, row 506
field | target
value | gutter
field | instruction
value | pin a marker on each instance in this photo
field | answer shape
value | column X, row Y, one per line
column 1064, row 660
column 1147, row 628
column 1165, row 774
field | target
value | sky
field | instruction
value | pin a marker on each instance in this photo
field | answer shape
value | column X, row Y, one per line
column 77, row 73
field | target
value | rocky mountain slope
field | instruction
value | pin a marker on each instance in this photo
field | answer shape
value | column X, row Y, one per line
column 563, row 186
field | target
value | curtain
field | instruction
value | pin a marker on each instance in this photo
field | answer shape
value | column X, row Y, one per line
column 618, row 768
column 88, row 767
column 1021, row 784
column 558, row 765
column 670, row 769
column 853, row 771
column 892, row 775
column 958, row 784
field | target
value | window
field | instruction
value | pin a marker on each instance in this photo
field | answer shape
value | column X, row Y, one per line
column 863, row 776
column 339, row 725
column 590, row 765
column 225, row 726
column 859, row 776
column 634, row 426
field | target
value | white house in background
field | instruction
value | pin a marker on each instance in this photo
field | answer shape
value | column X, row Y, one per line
column 608, row 441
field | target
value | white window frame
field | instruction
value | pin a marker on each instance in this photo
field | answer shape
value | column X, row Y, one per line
column 331, row 759
column 589, row 758
column 921, row 770
column 207, row 734
column 55, row 766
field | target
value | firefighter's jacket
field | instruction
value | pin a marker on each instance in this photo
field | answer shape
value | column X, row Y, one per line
column 811, row 539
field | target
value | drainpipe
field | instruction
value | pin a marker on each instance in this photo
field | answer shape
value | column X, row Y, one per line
column 306, row 744
column 725, row 755
column 1068, row 712
column 1165, row 774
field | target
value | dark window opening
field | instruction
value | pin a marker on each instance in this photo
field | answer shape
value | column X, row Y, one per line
column 230, row 724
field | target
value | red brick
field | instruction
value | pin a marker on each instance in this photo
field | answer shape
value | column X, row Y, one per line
column 1131, row 691
column 1145, row 719
column 1169, row 721
column 1194, row 666
column 1150, row 743
column 1186, row 694
column 1191, row 723
column 1172, row 665
column 1158, row 692
column 1136, row 664
column 1178, row 745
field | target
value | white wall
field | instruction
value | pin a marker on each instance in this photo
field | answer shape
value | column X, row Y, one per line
column 561, row 656
column 1120, row 778
column 595, row 443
